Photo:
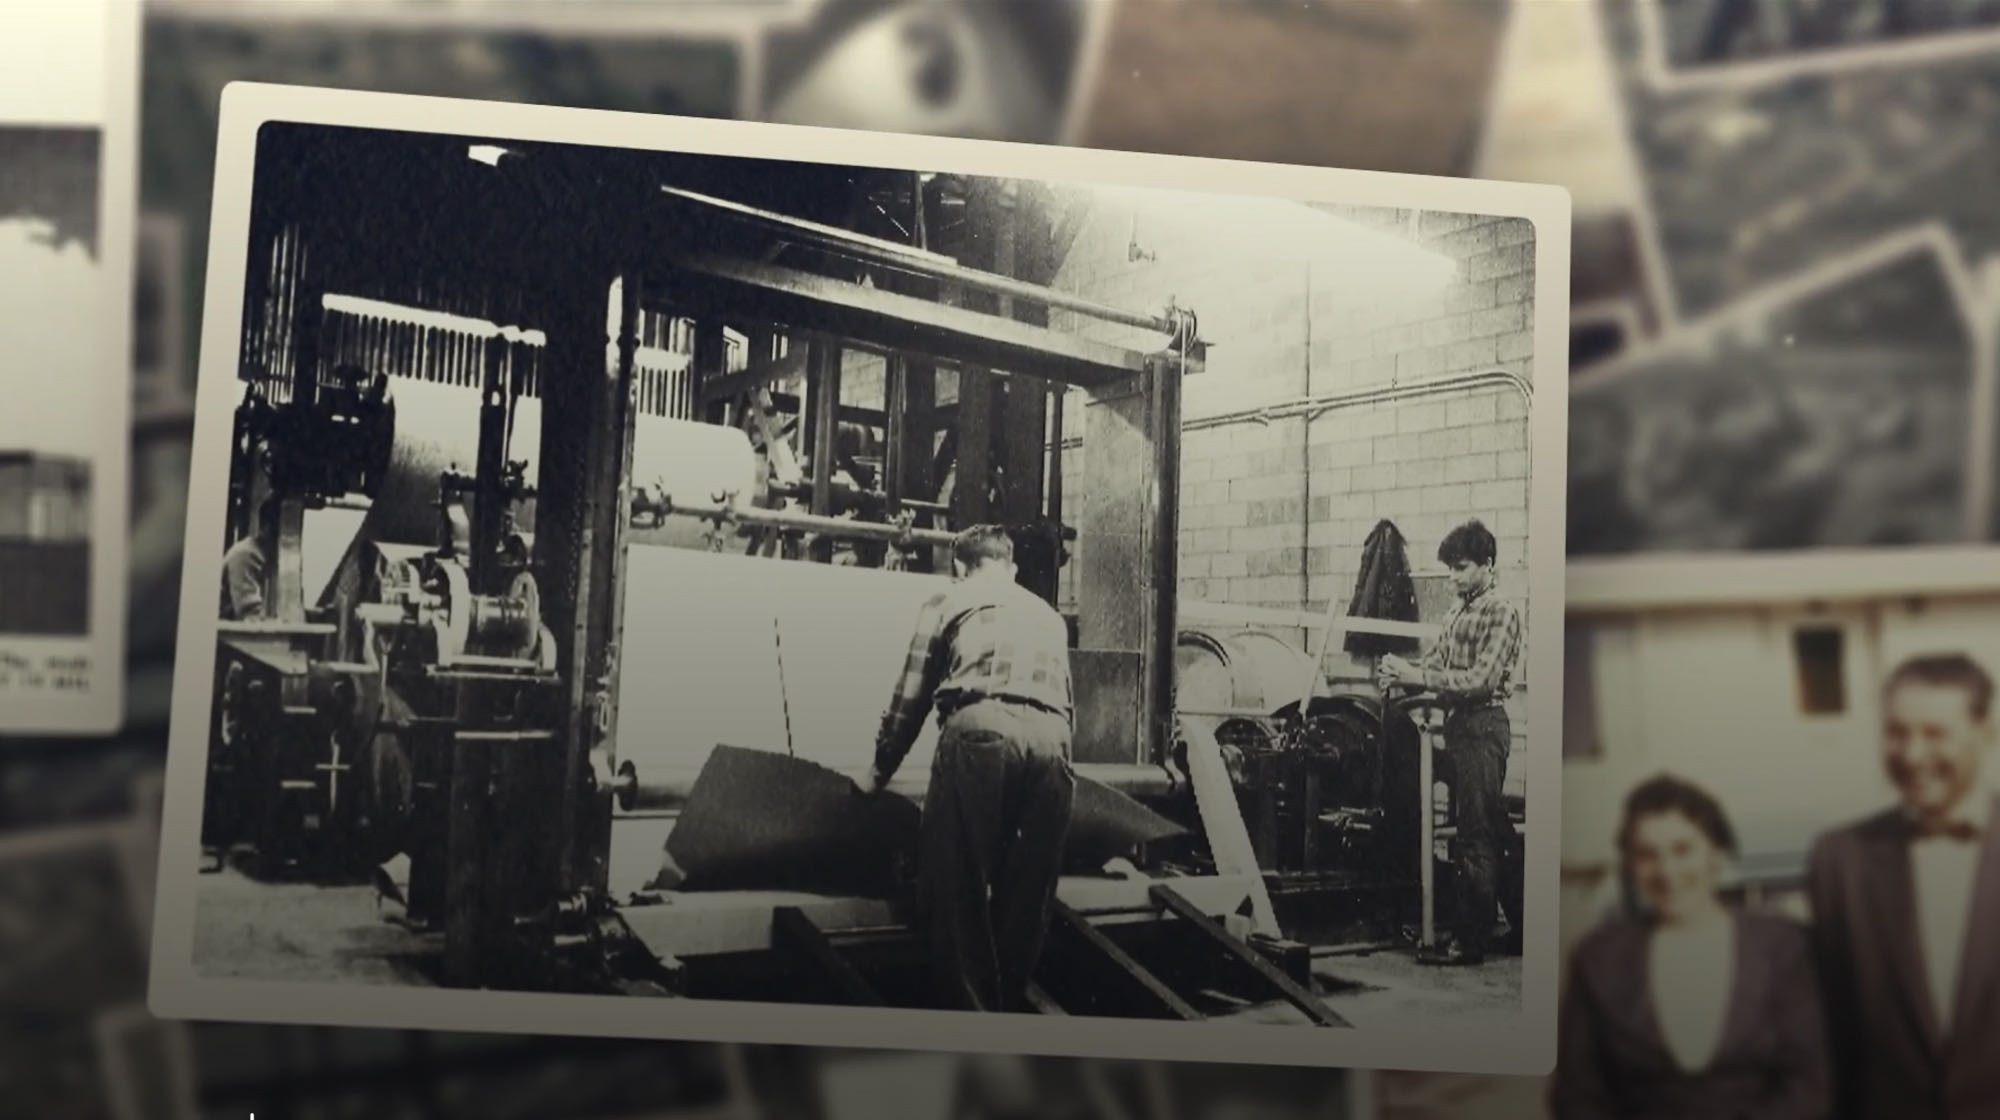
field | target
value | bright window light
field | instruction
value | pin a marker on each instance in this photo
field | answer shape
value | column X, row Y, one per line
column 1279, row 230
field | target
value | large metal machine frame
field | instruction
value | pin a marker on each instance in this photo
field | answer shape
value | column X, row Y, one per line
column 489, row 653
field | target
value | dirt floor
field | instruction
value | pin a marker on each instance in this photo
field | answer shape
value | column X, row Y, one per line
column 293, row 932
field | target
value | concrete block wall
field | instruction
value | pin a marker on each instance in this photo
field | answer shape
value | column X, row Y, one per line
column 1274, row 514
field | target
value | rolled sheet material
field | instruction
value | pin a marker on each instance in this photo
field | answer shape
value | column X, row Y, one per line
column 775, row 655
column 437, row 429
column 757, row 820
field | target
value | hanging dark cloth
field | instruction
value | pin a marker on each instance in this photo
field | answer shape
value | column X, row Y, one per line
column 1383, row 590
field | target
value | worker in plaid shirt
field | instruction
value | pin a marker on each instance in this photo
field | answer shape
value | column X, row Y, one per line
column 1471, row 671
column 993, row 659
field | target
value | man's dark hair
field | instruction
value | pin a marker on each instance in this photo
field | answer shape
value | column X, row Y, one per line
column 1947, row 670
column 1470, row 541
column 1667, row 794
column 983, row 544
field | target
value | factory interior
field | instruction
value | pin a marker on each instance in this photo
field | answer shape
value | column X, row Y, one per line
column 604, row 487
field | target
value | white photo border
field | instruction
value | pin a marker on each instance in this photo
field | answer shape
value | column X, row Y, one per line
column 1662, row 75
column 1675, row 580
column 100, row 709
column 1523, row 1046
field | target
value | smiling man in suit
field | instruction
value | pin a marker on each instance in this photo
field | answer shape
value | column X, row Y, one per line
column 1906, row 910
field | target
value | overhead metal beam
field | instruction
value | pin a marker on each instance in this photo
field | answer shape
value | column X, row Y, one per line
column 700, row 283
column 923, row 262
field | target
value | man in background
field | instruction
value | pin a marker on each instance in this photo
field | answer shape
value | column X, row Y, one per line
column 993, row 659
column 1906, row 910
column 1471, row 671
column 246, row 567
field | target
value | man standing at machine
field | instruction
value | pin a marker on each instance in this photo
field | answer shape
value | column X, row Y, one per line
column 993, row 659
column 1906, row 909
column 246, row 565
column 1471, row 672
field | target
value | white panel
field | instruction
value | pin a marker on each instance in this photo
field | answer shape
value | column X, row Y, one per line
column 700, row 664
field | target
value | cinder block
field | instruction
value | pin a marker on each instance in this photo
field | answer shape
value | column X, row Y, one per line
column 1422, row 472
column 1503, row 319
column 1278, row 562
column 1419, row 415
column 1480, row 409
column 1445, row 499
column 1515, row 346
column 1512, row 231
column 1471, row 468
column 1448, row 443
column 1446, row 329
column 1229, row 565
column 1396, row 448
column 1512, row 494
column 1471, row 356
column 1518, row 288
column 1373, row 478
column 1510, row 464
column 1428, row 361
column 1272, row 511
column 1465, row 297
column 1500, row 262
column 1331, row 480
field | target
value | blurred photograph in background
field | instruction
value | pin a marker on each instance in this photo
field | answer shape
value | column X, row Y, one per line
column 1330, row 83
column 1019, row 70
column 1829, row 412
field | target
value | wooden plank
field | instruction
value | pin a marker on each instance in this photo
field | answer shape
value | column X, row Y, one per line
column 1120, row 959
column 1296, row 994
column 1222, row 821
column 796, row 934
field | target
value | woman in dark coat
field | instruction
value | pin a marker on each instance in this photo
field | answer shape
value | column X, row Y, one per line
column 1696, row 1010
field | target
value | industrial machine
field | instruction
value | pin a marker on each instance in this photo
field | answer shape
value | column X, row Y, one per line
column 452, row 692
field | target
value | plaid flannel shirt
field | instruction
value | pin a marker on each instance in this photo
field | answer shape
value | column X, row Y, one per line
column 1473, row 661
column 976, row 640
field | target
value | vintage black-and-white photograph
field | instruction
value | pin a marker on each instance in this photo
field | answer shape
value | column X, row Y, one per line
column 69, row 953
column 66, row 178
column 1378, row 87
column 679, row 581
column 45, row 524
column 1018, row 71
column 1826, row 685
column 1817, row 168
column 1848, row 409
column 1693, row 43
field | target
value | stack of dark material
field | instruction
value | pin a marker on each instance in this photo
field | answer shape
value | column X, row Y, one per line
column 1383, row 590
column 758, row 820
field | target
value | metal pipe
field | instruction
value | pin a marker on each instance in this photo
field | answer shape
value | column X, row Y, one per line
column 1311, row 406
column 654, row 797
column 925, row 263
column 802, row 522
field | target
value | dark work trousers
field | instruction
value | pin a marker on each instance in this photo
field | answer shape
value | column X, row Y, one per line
column 995, row 819
column 1478, row 741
